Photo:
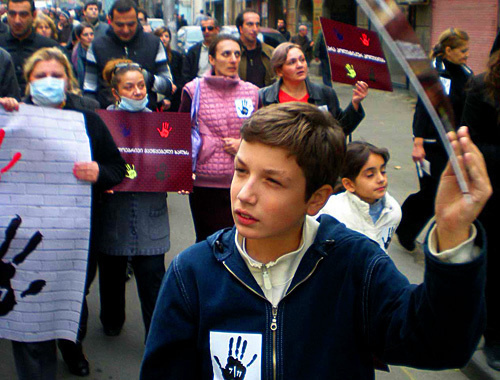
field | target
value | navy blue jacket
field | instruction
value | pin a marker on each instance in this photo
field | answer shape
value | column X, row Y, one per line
column 346, row 303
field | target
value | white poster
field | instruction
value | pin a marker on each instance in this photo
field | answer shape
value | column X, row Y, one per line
column 44, row 224
column 236, row 355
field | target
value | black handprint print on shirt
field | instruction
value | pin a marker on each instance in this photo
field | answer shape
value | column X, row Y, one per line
column 8, row 271
column 235, row 370
column 244, row 107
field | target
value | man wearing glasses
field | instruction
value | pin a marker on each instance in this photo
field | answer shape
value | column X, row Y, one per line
column 197, row 57
column 22, row 41
column 126, row 39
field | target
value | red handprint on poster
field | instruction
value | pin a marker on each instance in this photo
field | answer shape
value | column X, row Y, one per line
column 17, row 156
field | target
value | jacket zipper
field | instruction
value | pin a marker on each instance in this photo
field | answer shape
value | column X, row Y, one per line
column 126, row 51
column 274, row 321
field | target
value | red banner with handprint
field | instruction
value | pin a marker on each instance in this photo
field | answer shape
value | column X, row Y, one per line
column 355, row 54
column 156, row 147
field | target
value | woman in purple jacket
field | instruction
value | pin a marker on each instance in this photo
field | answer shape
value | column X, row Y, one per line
column 225, row 101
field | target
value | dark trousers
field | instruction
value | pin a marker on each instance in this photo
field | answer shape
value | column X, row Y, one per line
column 148, row 271
column 325, row 72
column 211, row 210
column 418, row 208
column 489, row 220
column 35, row 361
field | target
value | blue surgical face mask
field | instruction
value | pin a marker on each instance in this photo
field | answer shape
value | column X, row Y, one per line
column 132, row 105
column 48, row 91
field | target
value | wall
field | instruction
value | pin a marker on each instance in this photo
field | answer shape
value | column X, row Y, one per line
column 479, row 18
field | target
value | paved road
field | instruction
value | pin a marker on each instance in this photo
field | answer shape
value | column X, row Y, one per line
column 388, row 124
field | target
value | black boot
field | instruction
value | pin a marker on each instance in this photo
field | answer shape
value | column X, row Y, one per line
column 74, row 357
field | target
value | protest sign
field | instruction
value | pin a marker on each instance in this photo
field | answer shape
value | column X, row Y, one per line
column 400, row 37
column 156, row 147
column 44, row 223
column 355, row 54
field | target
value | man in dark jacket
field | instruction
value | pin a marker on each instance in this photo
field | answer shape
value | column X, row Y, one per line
column 8, row 82
column 281, row 26
column 22, row 41
column 126, row 38
column 90, row 14
column 304, row 42
column 196, row 63
column 255, row 64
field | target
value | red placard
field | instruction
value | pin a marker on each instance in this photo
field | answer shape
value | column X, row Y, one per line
column 355, row 54
column 156, row 147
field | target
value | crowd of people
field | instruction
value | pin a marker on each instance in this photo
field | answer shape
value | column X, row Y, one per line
column 271, row 170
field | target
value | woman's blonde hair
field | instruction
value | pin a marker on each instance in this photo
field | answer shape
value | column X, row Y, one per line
column 278, row 58
column 49, row 54
column 43, row 19
column 452, row 38
column 112, row 76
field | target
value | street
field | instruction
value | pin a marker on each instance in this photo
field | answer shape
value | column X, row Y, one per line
column 387, row 124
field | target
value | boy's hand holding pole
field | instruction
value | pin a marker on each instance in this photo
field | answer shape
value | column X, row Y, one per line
column 455, row 211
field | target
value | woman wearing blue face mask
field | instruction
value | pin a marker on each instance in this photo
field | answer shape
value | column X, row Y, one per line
column 133, row 225
column 51, row 84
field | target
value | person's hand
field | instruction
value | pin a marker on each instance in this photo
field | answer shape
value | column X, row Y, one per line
column 185, row 192
column 231, row 145
column 454, row 212
column 418, row 153
column 174, row 88
column 312, row 43
column 359, row 92
column 9, row 104
column 165, row 105
column 86, row 171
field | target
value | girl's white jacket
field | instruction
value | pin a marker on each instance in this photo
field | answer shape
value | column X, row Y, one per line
column 354, row 213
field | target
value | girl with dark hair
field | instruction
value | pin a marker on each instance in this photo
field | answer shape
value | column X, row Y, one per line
column 176, row 62
column 449, row 57
column 84, row 35
column 482, row 116
column 225, row 102
column 365, row 205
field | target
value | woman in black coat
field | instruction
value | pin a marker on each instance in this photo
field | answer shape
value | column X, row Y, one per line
column 482, row 115
column 449, row 57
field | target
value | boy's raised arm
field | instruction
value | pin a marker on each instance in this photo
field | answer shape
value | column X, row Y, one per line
column 454, row 212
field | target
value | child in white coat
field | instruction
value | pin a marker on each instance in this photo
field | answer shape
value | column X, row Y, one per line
column 365, row 205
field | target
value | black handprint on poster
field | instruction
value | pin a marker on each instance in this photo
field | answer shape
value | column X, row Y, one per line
column 8, row 270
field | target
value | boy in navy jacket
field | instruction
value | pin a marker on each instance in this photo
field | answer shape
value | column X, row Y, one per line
column 283, row 296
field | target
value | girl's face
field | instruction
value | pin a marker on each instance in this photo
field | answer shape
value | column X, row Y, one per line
column 131, row 85
column 165, row 38
column 44, row 29
column 86, row 37
column 371, row 183
column 295, row 67
column 458, row 55
column 50, row 68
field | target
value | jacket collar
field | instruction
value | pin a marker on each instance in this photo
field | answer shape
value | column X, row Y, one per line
column 220, row 81
column 224, row 249
column 272, row 94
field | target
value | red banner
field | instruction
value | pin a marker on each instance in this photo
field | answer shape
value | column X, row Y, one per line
column 156, row 147
column 355, row 54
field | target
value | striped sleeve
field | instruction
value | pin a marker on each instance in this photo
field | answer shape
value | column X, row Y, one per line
column 90, row 80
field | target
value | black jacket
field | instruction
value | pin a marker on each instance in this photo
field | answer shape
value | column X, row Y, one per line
column 459, row 75
column 176, row 66
column 20, row 50
column 144, row 48
column 8, row 82
column 319, row 95
column 190, row 68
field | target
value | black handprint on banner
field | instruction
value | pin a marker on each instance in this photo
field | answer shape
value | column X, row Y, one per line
column 8, row 270
column 235, row 370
